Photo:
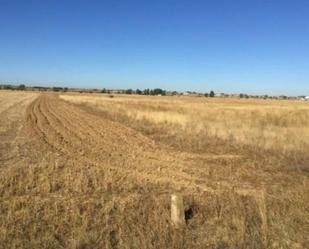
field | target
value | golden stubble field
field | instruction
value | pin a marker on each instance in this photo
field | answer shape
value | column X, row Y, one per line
column 95, row 171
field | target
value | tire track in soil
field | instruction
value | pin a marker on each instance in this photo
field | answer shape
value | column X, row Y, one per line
column 11, row 123
column 93, row 140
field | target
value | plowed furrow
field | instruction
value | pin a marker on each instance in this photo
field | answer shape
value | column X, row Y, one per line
column 105, row 146
column 79, row 123
column 61, row 119
column 41, row 126
column 67, row 137
column 95, row 141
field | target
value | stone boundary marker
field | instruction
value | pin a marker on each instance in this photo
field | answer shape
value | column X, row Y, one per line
column 177, row 210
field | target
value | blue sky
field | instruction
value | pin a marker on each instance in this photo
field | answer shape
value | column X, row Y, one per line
column 223, row 45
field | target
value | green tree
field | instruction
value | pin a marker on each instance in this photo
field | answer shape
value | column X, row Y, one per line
column 158, row 91
column 129, row 91
column 212, row 94
column 57, row 89
column 146, row 92
column 21, row 87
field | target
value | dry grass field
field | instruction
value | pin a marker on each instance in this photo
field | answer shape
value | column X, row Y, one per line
column 95, row 171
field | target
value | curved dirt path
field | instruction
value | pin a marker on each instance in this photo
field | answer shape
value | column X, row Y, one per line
column 62, row 134
column 92, row 139
column 12, row 111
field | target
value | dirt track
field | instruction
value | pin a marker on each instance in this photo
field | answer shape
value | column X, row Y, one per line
column 90, row 139
column 12, row 114
column 44, row 128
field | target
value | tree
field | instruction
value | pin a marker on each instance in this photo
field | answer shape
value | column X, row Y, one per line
column 158, row 91
column 21, row 87
column 212, row 94
column 57, row 89
column 139, row 92
column 103, row 90
column 7, row 87
column 146, row 92
column 206, row 95
column 129, row 91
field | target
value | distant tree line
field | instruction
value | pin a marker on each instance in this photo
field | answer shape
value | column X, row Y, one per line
column 20, row 87
column 211, row 94
column 60, row 89
column 155, row 91
column 243, row 95
column 23, row 87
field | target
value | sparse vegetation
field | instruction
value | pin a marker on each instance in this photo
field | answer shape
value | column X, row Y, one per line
column 21, row 87
column 281, row 128
column 91, row 171
column 269, row 138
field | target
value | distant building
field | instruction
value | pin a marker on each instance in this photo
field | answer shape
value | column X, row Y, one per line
column 219, row 95
column 303, row 98
column 191, row 94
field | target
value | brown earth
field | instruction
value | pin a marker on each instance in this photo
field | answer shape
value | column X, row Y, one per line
column 72, row 178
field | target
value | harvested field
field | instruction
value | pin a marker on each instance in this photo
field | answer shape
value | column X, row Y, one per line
column 90, row 171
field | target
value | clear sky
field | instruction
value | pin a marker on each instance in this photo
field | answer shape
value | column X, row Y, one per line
column 251, row 46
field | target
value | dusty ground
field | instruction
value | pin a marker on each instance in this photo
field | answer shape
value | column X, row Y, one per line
column 73, row 178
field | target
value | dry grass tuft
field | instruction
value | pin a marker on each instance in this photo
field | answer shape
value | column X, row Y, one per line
column 201, row 125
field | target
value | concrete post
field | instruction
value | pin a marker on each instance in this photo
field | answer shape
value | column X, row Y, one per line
column 177, row 210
